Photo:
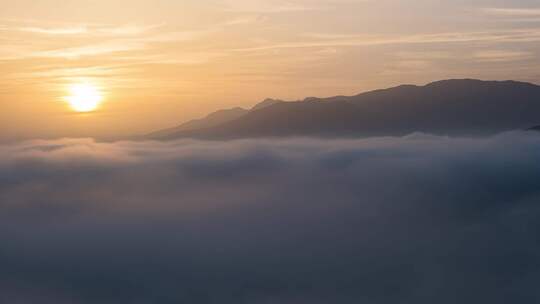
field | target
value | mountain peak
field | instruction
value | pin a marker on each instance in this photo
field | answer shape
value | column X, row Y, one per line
column 455, row 81
column 474, row 82
column 266, row 103
column 211, row 120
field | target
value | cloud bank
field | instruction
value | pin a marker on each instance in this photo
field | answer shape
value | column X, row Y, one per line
column 419, row 219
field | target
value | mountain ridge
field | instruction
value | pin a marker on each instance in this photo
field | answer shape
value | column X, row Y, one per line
column 454, row 106
column 213, row 119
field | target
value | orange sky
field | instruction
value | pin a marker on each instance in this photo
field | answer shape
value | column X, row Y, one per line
column 161, row 62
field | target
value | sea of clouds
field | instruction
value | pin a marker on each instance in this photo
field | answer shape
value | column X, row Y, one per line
column 416, row 219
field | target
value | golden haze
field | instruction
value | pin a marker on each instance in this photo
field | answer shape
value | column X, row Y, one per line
column 158, row 63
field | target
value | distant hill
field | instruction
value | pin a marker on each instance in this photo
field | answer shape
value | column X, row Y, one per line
column 450, row 107
column 266, row 103
column 211, row 120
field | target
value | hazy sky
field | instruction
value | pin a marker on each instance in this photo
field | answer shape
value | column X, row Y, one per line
column 164, row 61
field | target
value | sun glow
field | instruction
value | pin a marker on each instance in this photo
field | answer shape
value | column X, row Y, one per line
column 84, row 97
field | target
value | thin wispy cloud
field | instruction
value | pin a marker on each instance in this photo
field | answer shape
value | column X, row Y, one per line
column 520, row 15
column 90, row 50
column 48, row 72
column 327, row 40
column 265, row 6
column 501, row 56
column 56, row 31
column 513, row 12
column 89, row 30
column 283, row 6
column 111, row 39
column 128, row 30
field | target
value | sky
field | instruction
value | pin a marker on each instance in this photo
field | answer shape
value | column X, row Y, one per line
column 158, row 63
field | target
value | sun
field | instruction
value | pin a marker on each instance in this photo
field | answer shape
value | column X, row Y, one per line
column 84, row 97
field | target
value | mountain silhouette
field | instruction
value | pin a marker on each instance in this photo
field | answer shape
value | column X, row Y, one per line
column 448, row 107
column 266, row 103
column 213, row 119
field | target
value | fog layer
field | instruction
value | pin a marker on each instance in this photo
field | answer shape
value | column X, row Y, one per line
column 417, row 219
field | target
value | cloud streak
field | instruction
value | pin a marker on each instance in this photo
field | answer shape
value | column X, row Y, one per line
column 328, row 40
column 89, row 30
column 380, row 220
column 513, row 12
column 502, row 56
column 56, row 31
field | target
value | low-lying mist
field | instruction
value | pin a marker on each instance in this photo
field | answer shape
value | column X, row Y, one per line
column 417, row 219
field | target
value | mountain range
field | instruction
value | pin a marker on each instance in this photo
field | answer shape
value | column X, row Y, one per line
column 448, row 107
